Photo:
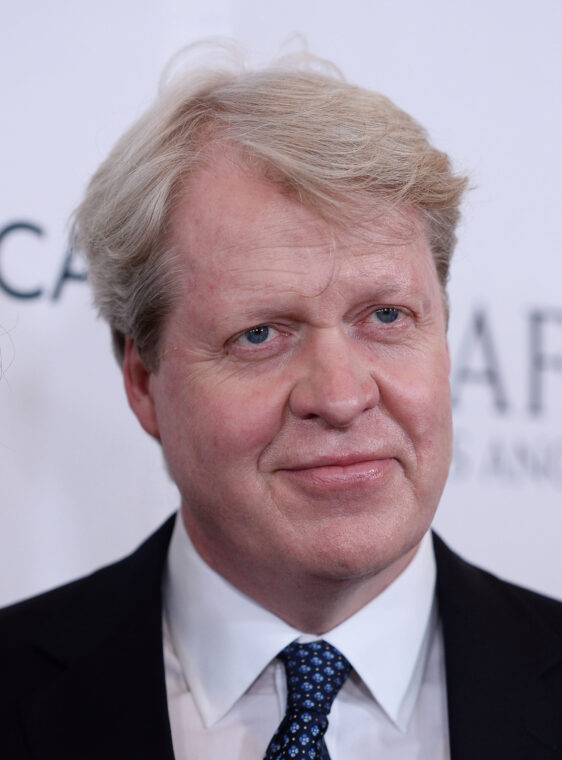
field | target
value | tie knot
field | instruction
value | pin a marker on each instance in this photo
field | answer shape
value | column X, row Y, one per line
column 315, row 674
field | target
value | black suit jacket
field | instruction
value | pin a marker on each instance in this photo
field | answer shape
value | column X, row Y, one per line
column 82, row 675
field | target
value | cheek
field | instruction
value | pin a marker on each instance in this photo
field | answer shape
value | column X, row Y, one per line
column 419, row 399
column 233, row 419
column 432, row 434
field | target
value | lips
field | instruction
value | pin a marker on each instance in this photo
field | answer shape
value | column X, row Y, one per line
column 346, row 460
column 341, row 471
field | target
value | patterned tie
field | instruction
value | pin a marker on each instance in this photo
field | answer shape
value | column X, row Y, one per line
column 315, row 674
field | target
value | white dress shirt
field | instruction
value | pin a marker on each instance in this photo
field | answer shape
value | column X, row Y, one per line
column 226, row 689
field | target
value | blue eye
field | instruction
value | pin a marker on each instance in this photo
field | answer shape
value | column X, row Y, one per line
column 387, row 315
column 257, row 334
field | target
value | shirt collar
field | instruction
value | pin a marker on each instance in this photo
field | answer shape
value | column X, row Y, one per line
column 224, row 640
column 388, row 640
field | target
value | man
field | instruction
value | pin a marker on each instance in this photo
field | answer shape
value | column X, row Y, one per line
column 271, row 251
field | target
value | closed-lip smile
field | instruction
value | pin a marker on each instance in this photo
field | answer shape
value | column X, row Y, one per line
column 339, row 460
column 341, row 470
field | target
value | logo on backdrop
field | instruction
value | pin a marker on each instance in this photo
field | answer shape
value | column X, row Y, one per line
column 521, row 398
column 68, row 271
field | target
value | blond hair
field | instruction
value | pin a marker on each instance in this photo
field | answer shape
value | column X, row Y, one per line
column 327, row 141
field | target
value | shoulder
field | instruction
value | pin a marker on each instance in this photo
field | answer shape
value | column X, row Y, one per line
column 464, row 586
column 72, row 617
column 70, row 658
column 503, row 662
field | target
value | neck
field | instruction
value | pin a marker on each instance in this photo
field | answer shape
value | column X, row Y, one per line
column 308, row 601
column 316, row 605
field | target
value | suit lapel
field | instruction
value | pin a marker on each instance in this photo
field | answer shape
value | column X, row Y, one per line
column 108, row 698
column 498, row 656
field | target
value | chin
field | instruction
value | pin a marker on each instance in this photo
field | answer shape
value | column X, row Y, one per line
column 363, row 557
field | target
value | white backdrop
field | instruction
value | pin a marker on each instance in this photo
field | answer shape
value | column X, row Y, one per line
column 80, row 483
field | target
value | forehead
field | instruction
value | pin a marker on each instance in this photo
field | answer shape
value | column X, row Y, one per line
column 236, row 227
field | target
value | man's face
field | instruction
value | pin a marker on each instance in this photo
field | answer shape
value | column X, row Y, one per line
column 302, row 398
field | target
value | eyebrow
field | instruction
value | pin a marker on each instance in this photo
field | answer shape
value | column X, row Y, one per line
column 269, row 303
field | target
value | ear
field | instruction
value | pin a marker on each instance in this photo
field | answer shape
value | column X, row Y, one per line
column 138, row 386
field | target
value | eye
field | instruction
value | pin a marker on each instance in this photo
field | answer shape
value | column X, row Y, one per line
column 387, row 314
column 259, row 342
column 257, row 335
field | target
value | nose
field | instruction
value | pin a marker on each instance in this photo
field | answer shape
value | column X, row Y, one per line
column 335, row 382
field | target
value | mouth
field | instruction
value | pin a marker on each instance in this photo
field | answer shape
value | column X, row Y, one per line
column 341, row 472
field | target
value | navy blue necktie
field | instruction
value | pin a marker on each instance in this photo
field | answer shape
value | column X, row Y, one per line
column 315, row 674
